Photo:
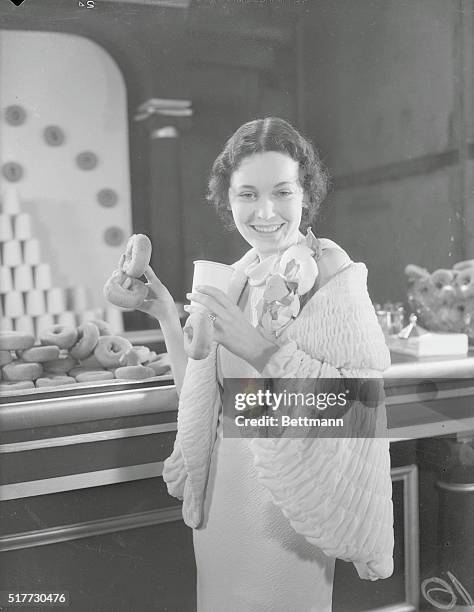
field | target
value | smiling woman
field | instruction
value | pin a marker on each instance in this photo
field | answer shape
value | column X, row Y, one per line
column 269, row 517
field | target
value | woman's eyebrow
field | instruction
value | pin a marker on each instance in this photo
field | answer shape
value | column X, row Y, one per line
column 285, row 182
column 277, row 185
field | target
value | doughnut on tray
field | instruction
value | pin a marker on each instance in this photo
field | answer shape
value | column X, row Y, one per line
column 86, row 387
column 83, row 359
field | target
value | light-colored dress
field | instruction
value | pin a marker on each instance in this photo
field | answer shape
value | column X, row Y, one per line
column 248, row 557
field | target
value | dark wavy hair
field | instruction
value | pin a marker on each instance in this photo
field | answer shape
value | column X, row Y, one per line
column 259, row 136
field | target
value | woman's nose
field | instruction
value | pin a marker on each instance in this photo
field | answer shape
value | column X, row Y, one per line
column 265, row 209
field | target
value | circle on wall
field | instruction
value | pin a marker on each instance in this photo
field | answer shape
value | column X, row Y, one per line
column 15, row 115
column 107, row 197
column 113, row 236
column 12, row 171
column 53, row 135
column 87, row 160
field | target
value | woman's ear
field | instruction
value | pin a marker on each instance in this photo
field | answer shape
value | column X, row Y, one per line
column 229, row 207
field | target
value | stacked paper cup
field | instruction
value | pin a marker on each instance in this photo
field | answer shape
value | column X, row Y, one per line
column 25, row 324
column 114, row 318
column 11, row 256
column 31, row 252
column 43, row 322
column 29, row 301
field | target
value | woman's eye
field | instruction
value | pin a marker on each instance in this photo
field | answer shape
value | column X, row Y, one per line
column 247, row 195
column 285, row 193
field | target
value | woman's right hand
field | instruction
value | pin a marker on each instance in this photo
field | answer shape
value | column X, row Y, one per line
column 159, row 302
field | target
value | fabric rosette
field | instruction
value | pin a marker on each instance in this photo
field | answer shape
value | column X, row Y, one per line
column 292, row 275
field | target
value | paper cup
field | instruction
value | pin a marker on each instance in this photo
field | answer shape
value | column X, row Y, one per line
column 14, row 304
column 77, row 298
column 6, row 284
column 43, row 322
column 211, row 273
column 12, row 253
column 6, row 232
column 35, row 303
column 114, row 318
column 68, row 318
column 25, row 324
column 23, row 278
column 22, row 226
column 43, row 278
column 11, row 201
column 31, row 252
column 91, row 314
column 6, row 324
column 55, row 301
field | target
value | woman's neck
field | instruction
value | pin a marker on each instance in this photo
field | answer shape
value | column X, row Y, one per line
column 266, row 254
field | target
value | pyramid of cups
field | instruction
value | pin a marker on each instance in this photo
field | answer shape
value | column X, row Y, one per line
column 29, row 301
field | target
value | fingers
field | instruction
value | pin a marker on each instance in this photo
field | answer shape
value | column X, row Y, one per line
column 191, row 308
column 145, row 306
column 217, row 294
column 208, row 302
column 151, row 276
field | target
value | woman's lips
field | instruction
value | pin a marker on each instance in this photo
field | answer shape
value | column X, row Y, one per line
column 267, row 229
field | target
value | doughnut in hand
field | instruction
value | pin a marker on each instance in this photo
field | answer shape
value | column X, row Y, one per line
column 19, row 370
column 15, row 341
column 125, row 291
column 198, row 335
column 87, row 338
column 63, row 336
column 137, row 255
column 40, row 354
column 5, row 357
column 110, row 349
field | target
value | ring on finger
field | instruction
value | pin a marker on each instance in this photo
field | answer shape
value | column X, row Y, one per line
column 212, row 316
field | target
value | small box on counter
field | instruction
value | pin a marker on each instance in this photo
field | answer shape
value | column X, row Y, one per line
column 430, row 344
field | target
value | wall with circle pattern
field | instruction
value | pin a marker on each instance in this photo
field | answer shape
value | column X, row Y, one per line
column 64, row 145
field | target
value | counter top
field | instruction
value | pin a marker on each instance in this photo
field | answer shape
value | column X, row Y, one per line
column 419, row 392
column 406, row 366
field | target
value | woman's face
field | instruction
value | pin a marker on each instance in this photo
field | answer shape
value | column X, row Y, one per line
column 266, row 199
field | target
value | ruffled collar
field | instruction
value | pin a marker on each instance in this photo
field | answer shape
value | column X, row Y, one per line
column 287, row 276
column 259, row 270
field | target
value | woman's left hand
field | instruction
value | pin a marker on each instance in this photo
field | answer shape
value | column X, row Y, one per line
column 231, row 328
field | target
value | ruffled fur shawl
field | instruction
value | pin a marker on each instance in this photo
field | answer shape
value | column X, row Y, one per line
column 335, row 492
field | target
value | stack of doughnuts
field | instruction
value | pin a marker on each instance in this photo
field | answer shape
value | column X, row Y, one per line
column 68, row 355
column 124, row 288
column 444, row 299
